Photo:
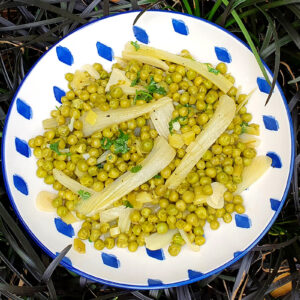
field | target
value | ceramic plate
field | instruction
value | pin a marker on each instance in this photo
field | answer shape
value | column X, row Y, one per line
column 102, row 41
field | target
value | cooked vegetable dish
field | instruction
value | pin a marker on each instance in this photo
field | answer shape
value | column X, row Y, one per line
column 152, row 153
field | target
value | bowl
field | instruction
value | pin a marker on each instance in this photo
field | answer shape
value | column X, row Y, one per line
column 102, row 41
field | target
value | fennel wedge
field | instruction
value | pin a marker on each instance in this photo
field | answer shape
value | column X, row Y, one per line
column 160, row 156
column 215, row 127
column 203, row 69
column 116, row 116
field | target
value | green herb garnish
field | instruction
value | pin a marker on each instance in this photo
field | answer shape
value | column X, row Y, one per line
column 174, row 121
column 84, row 195
column 106, row 143
column 99, row 166
column 137, row 80
column 121, row 143
column 142, row 95
column 212, row 70
column 244, row 127
column 57, row 107
column 136, row 169
column 54, row 147
column 135, row 45
column 154, row 88
column 157, row 176
column 127, row 204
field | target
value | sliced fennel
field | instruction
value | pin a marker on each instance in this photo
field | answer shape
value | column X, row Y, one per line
column 111, row 214
column 192, row 246
column 161, row 117
column 70, row 183
column 69, row 218
column 218, row 79
column 145, row 59
column 157, row 241
column 260, row 164
column 50, row 123
column 91, row 70
column 216, row 200
column 160, row 156
column 250, row 140
column 119, row 115
column 215, row 127
column 102, row 158
column 124, row 220
column 44, row 201
column 116, row 77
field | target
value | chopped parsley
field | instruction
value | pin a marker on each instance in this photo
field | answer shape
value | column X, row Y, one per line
column 54, row 147
column 151, row 88
column 244, row 127
column 135, row 45
column 127, row 204
column 57, row 107
column 157, row 176
column 212, row 70
column 136, row 169
column 109, row 156
column 106, row 143
column 142, row 95
column 154, row 88
column 179, row 118
column 99, row 166
column 84, row 195
column 120, row 143
column 137, row 80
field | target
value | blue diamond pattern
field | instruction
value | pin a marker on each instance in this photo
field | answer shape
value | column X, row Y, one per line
column 274, row 204
column 58, row 93
column 157, row 254
column 223, row 54
column 276, row 161
column 242, row 221
column 180, row 27
column 66, row 260
column 154, row 282
column 237, row 253
column 63, row 228
column 20, row 184
column 263, row 85
column 64, row 55
column 105, row 51
column 141, row 34
column 24, row 109
column 270, row 123
column 194, row 274
column 22, row 147
column 110, row 260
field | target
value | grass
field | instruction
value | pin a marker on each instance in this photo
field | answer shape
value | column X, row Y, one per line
column 28, row 28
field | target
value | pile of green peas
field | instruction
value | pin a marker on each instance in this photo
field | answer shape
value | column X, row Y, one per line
column 195, row 100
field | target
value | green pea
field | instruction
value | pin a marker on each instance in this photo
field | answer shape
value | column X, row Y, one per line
column 174, row 249
column 84, row 233
column 199, row 240
column 162, row 227
column 99, row 244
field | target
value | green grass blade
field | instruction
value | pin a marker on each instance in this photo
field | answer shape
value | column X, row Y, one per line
column 288, row 27
column 267, row 38
column 294, row 80
column 277, row 54
column 294, row 9
column 249, row 41
column 264, row 7
column 187, row 7
column 214, row 9
column 197, row 8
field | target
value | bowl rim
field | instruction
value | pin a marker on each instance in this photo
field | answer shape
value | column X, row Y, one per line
column 161, row 286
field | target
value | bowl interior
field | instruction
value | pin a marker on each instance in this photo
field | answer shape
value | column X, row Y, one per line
column 173, row 32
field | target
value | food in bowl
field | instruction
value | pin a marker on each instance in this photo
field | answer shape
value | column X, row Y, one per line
column 147, row 154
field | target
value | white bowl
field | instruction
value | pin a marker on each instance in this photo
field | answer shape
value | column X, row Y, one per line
column 106, row 37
